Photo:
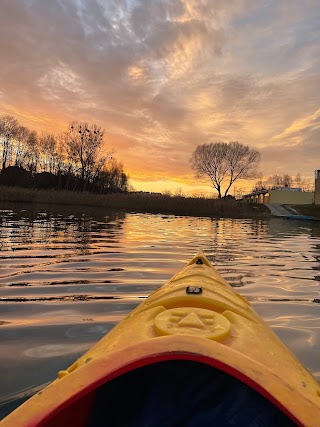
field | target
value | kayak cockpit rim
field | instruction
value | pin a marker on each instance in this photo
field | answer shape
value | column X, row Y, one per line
column 92, row 376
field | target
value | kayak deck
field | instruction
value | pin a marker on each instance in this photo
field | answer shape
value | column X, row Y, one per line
column 195, row 323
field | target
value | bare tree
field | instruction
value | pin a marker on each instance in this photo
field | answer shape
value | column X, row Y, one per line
column 307, row 184
column 275, row 180
column 111, row 177
column 83, row 144
column 298, row 179
column 287, row 180
column 21, row 138
column 59, row 156
column 280, row 180
column 48, row 147
column 258, row 186
column 8, row 129
column 32, row 152
column 224, row 163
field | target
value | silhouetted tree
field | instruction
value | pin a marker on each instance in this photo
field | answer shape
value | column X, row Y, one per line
column 83, row 143
column 287, row 180
column 21, row 138
column 224, row 163
column 32, row 152
column 280, row 180
column 111, row 178
column 8, row 130
column 275, row 180
column 298, row 179
column 284, row 180
column 48, row 149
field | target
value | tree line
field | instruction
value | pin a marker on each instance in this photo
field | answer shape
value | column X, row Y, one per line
column 75, row 159
column 284, row 180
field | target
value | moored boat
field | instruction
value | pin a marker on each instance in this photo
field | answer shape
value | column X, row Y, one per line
column 194, row 353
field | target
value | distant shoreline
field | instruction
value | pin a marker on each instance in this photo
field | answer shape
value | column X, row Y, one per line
column 137, row 202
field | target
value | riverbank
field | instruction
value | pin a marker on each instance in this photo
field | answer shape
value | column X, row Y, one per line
column 137, row 202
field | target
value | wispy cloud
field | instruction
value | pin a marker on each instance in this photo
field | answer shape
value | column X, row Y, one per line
column 165, row 76
column 296, row 132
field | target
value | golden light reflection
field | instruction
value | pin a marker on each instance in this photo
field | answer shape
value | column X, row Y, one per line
column 63, row 317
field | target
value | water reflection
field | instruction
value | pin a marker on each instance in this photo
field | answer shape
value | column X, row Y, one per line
column 27, row 230
column 67, row 277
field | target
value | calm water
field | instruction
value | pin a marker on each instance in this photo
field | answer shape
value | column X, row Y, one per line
column 66, row 279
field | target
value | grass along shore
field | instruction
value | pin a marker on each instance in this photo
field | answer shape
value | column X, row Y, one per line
column 136, row 202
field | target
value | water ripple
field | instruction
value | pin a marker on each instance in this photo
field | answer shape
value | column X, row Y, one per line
column 67, row 278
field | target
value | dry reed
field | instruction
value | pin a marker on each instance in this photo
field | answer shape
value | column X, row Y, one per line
column 137, row 202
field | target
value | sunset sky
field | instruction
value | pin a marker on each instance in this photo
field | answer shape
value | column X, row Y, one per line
column 163, row 76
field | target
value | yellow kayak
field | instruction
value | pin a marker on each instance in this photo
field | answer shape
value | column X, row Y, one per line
column 193, row 354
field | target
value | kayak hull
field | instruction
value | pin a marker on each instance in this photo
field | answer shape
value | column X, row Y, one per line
column 196, row 316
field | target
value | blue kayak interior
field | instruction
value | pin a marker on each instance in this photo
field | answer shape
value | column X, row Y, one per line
column 182, row 393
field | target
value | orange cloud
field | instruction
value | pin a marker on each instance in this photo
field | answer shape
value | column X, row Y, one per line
column 164, row 77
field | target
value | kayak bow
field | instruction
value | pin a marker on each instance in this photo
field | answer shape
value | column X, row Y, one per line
column 192, row 348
